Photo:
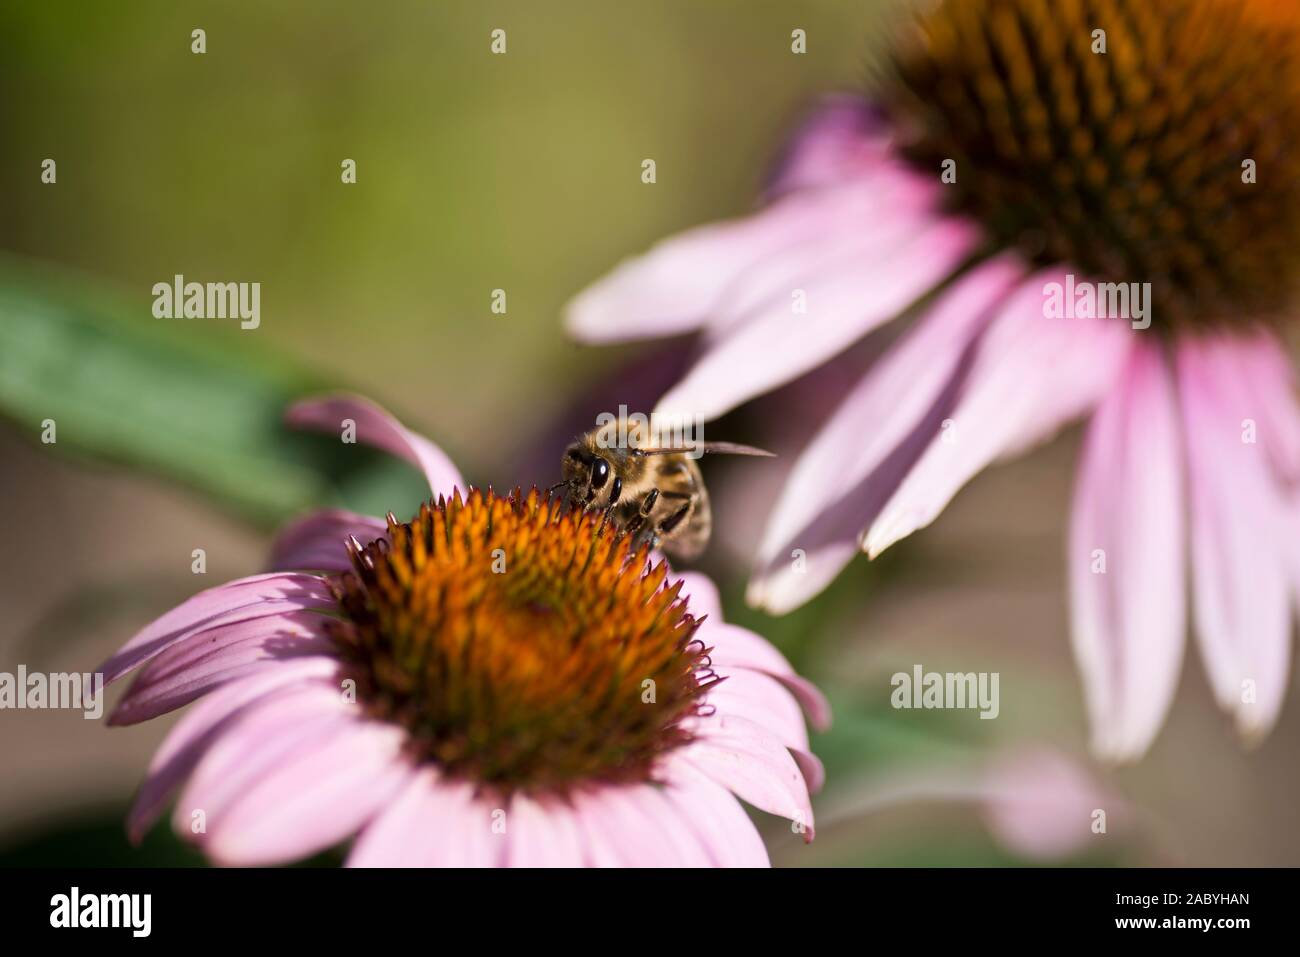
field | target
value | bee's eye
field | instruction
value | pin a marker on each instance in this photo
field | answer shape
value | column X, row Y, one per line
column 599, row 473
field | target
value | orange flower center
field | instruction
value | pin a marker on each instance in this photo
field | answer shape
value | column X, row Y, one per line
column 522, row 646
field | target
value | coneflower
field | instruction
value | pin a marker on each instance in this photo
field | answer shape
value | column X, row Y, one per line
column 1017, row 149
column 499, row 681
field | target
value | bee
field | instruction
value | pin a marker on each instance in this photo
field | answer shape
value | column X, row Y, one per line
column 654, row 493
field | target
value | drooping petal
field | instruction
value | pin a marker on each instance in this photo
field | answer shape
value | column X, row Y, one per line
column 433, row 823
column 1127, row 559
column 1240, row 537
column 321, row 794
column 857, row 459
column 543, row 833
column 377, row 427
column 200, row 726
column 774, row 343
column 754, row 765
column 258, row 597
column 216, row 656
column 719, row 822
column 315, row 541
column 1030, row 375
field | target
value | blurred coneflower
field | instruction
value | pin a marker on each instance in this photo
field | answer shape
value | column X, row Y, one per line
column 496, row 682
column 1016, row 147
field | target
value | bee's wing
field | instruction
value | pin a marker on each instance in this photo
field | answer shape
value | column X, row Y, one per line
column 721, row 448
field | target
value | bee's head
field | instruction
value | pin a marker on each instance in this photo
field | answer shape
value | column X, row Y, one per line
column 587, row 475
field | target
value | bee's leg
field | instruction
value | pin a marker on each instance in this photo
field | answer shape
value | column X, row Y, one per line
column 615, row 491
column 635, row 525
column 643, row 534
column 648, row 503
column 672, row 521
column 639, row 528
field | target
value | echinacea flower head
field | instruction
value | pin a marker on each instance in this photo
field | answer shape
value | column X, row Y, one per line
column 499, row 681
column 1125, row 163
column 1084, row 210
column 581, row 668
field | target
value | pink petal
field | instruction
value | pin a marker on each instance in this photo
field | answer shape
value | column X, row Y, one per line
column 1029, row 376
column 1264, row 369
column 734, row 646
column 433, row 823
column 316, row 541
column 702, row 594
column 739, row 647
column 761, row 699
column 902, row 208
column 635, row 826
column 858, row 458
column 682, row 281
column 1041, row 805
column 720, row 823
column 811, row 767
column 257, row 597
column 262, row 738
column 190, row 738
column 843, row 138
column 753, row 764
column 1128, row 621
column 1241, row 538
column 216, row 656
column 773, row 345
column 321, row 794
column 1038, row 803
column 377, row 427
column 543, row 832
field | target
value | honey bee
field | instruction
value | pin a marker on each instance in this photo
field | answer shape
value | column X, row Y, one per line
column 654, row 493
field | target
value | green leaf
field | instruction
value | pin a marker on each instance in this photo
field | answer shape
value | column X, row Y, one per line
column 164, row 396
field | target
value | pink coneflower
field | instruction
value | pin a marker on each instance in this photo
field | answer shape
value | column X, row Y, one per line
column 496, row 682
column 1021, row 146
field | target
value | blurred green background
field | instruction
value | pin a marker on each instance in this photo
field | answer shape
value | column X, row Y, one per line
column 475, row 172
